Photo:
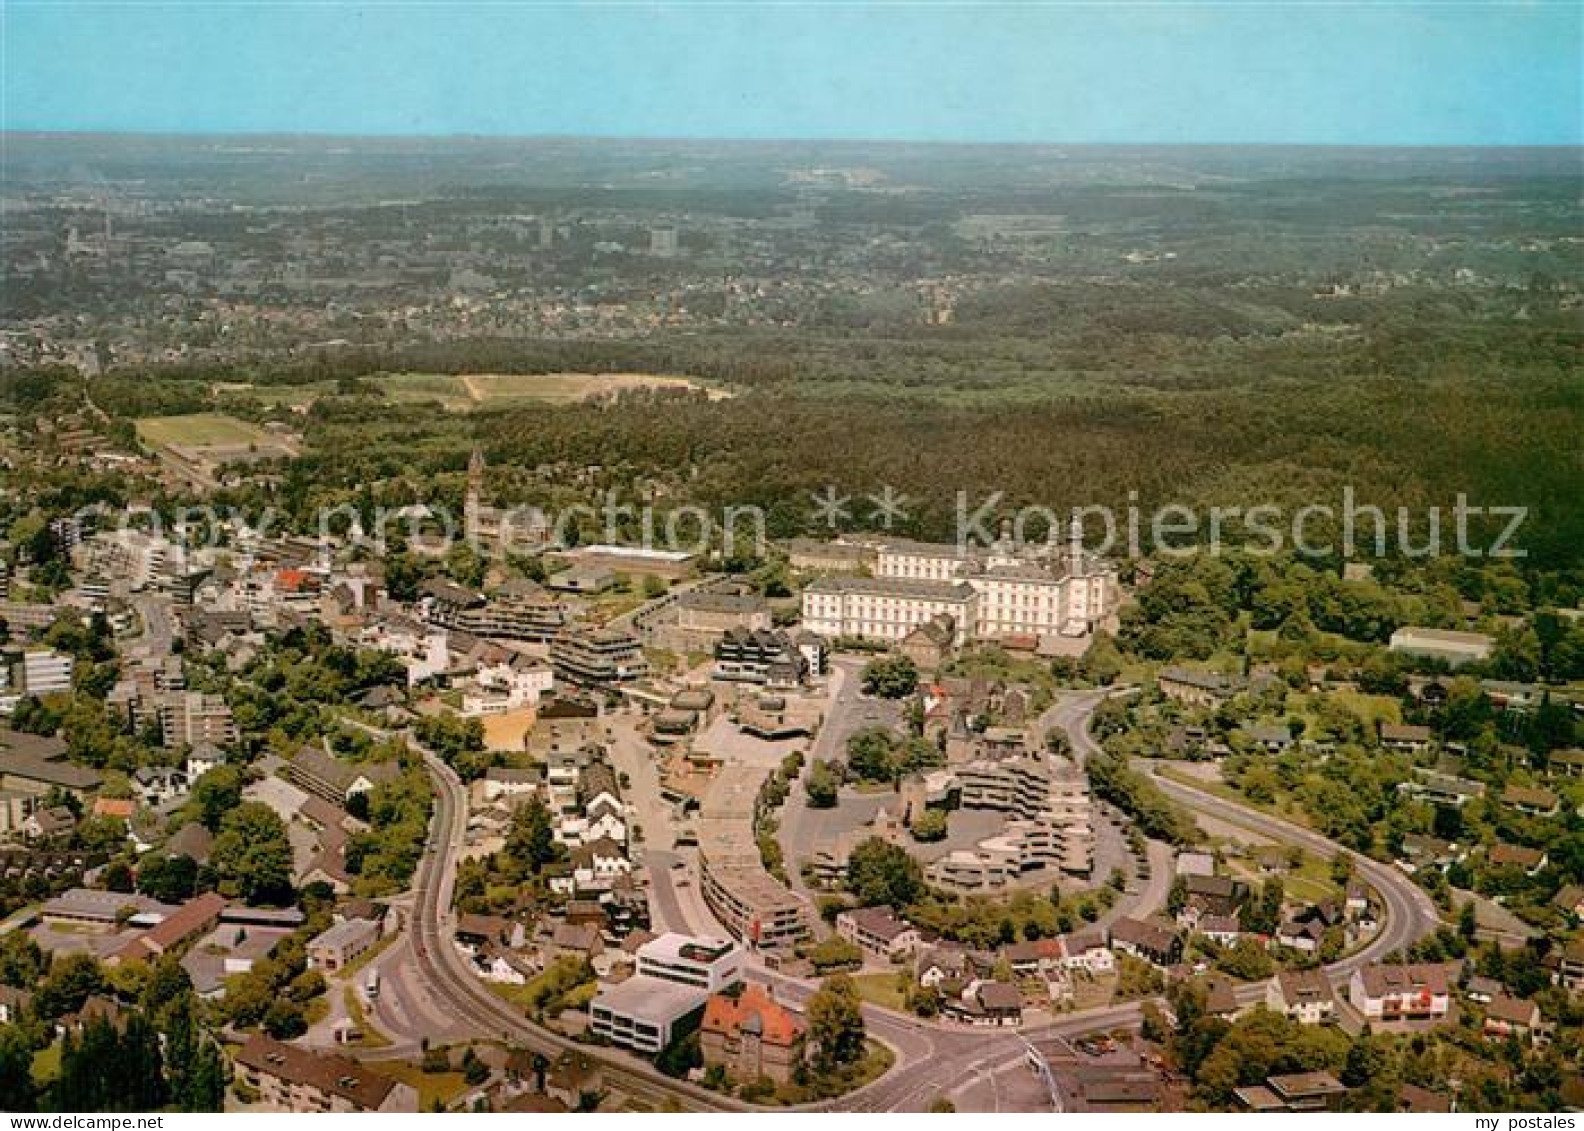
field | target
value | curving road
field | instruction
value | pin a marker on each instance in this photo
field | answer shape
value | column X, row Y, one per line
column 450, row 981
column 932, row 1060
column 958, row 1058
column 437, row 958
column 1410, row 915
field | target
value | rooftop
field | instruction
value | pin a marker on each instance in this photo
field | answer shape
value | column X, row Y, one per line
column 335, row 1075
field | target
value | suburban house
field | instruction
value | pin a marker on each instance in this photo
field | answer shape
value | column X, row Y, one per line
column 1406, row 738
column 1087, row 951
column 1154, row 944
column 879, row 932
column 1299, row 1091
column 1418, row 992
column 1304, row 996
column 987, row 1004
column 1527, row 860
column 1534, row 802
column 1508, row 1016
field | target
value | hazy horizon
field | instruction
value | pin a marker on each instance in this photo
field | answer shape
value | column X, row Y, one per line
column 1396, row 74
column 702, row 139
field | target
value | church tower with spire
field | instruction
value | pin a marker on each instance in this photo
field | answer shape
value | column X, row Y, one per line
column 475, row 489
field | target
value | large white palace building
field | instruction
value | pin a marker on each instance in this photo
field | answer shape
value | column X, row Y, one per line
column 1000, row 591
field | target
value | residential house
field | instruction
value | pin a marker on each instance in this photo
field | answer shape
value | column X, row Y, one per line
column 1386, row 993
column 1213, row 895
column 1570, row 900
column 1158, row 945
column 1270, row 738
column 1420, row 851
column 1507, row 1016
column 49, row 824
column 13, row 1003
column 474, row 931
column 931, row 644
column 574, row 1075
column 1566, row 763
column 1304, row 996
column 1304, row 936
column 1034, row 957
column 596, row 864
column 1483, row 990
column 940, row 965
column 1526, row 860
column 879, row 932
column 336, row 781
column 1414, row 1100
column 986, row 1004
column 1534, row 802
column 1570, row 964
column 1301, row 1091
column 579, row 940
column 1224, row 930
column 1405, row 738
column 1087, row 951
column 1198, row 688
column 157, row 785
column 1447, row 790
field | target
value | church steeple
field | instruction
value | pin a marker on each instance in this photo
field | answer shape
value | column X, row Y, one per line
column 1075, row 546
column 475, row 491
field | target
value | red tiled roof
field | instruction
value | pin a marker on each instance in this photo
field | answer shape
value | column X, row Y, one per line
column 754, row 1006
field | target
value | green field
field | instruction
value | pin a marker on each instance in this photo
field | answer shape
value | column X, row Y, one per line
column 468, row 392
column 201, row 430
column 432, row 1087
column 881, row 990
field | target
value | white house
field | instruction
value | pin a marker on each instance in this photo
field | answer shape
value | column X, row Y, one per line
column 597, row 863
column 1383, row 993
column 1304, row 996
column 1087, row 951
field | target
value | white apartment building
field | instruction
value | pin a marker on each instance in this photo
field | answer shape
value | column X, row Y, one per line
column 1051, row 825
column 195, row 718
column 45, row 671
column 424, row 649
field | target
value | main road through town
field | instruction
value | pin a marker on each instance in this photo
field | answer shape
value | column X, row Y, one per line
column 451, row 982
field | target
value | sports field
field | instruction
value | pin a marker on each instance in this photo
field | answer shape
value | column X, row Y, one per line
column 202, row 430
column 496, row 390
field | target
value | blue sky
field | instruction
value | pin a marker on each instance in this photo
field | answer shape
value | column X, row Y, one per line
column 1334, row 73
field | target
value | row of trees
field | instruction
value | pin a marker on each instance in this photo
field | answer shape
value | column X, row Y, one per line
column 151, row 1054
